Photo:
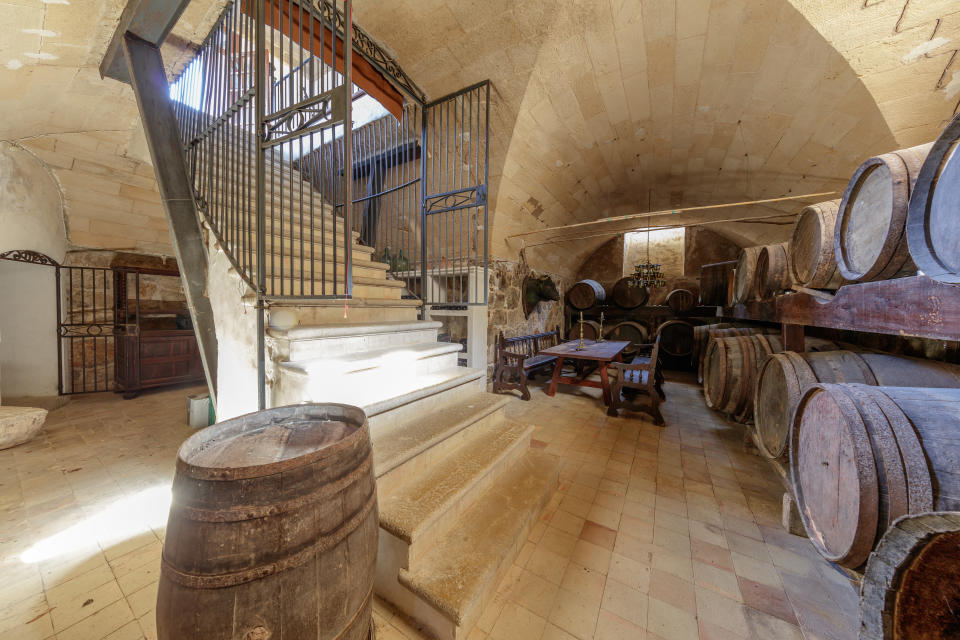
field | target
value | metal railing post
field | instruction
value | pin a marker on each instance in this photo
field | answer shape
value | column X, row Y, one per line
column 258, row 84
column 348, row 147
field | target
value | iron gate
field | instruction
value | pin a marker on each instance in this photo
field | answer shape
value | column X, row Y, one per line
column 86, row 329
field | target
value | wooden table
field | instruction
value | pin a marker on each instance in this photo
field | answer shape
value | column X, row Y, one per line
column 603, row 353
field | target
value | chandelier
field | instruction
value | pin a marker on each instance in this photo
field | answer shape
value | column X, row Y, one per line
column 648, row 274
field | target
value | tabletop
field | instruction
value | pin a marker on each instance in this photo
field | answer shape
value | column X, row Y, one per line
column 592, row 350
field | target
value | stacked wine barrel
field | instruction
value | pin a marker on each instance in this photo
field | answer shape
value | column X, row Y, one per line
column 784, row 376
column 585, row 294
column 627, row 296
column 681, row 300
column 715, row 283
column 591, row 330
column 812, row 260
column 869, row 239
column 912, row 581
column 704, row 333
column 676, row 338
column 744, row 279
column 633, row 332
column 731, row 365
column 772, row 272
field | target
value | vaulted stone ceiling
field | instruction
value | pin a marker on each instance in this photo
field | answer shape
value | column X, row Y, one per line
column 601, row 107
column 609, row 107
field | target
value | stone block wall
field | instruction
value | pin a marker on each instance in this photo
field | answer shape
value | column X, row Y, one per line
column 505, row 307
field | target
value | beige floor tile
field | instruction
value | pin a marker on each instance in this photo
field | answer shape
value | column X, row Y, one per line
column 626, row 602
column 517, row 622
column 584, row 582
column 574, row 615
column 629, row 572
column 670, row 623
column 547, row 565
column 534, row 593
column 100, row 624
column 721, row 611
column 591, row 556
column 604, row 516
column 762, row 572
column 720, row 580
column 553, row 632
column 612, row 627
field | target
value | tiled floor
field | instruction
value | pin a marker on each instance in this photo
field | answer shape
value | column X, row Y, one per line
column 655, row 533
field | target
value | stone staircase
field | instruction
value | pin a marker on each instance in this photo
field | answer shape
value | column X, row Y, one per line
column 459, row 487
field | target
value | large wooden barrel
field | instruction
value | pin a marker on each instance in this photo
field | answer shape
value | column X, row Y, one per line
column 861, row 457
column 635, row 332
column 731, row 365
column 911, row 585
column 812, row 261
column 273, row 529
column 869, row 240
column 702, row 339
column 773, row 271
column 714, row 283
column 932, row 220
column 680, row 300
column 745, row 275
column 701, row 336
column 626, row 296
column 585, row 294
column 591, row 330
column 676, row 338
column 784, row 376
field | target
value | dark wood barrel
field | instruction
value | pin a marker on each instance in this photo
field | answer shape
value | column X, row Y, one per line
column 591, row 330
column 681, row 300
column 745, row 275
column 676, row 338
column 273, row 529
column 715, row 282
column 861, row 457
column 932, row 217
column 812, row 260
column 635, row 332
column 784, row 376
column 701, row 336
column 731, row 366
column 911, row 586
column 626, row 296
column 773, row 271
column 585, row 294
column 869, row 240
column 702, row 339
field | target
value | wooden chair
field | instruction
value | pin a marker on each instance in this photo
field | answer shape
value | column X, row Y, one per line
column 516, row 358
column 643, row 377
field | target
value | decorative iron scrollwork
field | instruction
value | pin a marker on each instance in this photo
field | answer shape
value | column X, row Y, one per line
column 86, row 330
column 291, row 121
column 31, row 257
column 452, row 200
column 369, row 49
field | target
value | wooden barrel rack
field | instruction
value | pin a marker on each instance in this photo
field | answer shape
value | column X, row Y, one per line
column 273, row 529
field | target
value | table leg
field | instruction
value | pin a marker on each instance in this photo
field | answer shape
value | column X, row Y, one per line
column 552, row 390
column 605, row 384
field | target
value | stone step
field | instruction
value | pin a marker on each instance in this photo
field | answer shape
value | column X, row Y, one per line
column 368, row 272
column 405, row 449
column 449, row 587
column 362, row 288
column 303, row 342
column 393, row 360
column 19, row 424
column 422, row 511
column 320, row 311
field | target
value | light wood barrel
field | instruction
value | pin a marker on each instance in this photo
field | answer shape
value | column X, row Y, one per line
column 635, row 332
column 912, row 581
column 585, row 294
column 731, row 366
column 932, row 219
column 702, row 341
column 773, row 271
column 869, row 240
column 714, row 283
column 626, row 296
column 812, row 261
column 273, row 529
column 676, row 338
column 591, row 330
column 784, row 376
column 745, row 275
column 861, row 457
column 681, row 300
column 701, row 336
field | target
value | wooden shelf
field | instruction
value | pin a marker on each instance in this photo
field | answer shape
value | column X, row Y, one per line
column 916, row 306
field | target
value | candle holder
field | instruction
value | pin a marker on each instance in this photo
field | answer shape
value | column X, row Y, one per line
column 600, row 337
column 581, row 347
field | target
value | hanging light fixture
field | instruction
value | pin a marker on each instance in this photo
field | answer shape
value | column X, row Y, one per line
column 647, row 274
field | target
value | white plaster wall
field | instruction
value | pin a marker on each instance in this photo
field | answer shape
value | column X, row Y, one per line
column 31, row 209
column 28, row 330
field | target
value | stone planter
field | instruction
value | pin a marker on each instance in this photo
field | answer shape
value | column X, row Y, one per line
column 19, row 424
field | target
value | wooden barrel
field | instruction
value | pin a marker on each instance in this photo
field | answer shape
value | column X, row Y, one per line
column 627, row 296
column 585, row 294
column 635, row 332
column 932, row 215
column 273, row 529
column 861, row 457
column 773, row 271
column 812, row 260
column 784, row 376
column 681, row 300
column 745, row 276
column 676, row 338
column 869, row 240
column 714, row 283
column 591, row 330
column 701, row 342
column 731, row 366
column 912, row 581
column 701, row 336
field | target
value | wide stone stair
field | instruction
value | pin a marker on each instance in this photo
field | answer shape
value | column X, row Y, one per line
column 459, row 487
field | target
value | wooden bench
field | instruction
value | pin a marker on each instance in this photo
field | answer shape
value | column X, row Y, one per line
column 518, row 357
column 643, row 377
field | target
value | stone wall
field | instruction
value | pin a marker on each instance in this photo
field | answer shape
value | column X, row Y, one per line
column 605, row 265
column 505, row 308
